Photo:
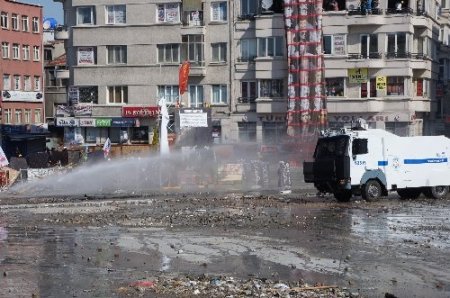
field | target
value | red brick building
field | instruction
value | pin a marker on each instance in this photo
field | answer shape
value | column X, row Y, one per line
column 21, row 63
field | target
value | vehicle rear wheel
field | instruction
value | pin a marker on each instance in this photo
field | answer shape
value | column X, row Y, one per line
column 343, row 195
column 409, row 193
column 436, row 192
column 371, row 190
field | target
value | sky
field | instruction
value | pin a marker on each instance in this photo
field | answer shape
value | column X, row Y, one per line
column 51, row 9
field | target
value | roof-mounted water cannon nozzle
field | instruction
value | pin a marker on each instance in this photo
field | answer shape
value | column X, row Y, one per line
column 361, row 124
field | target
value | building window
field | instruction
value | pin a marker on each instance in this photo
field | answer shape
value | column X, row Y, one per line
column 117, row 54
column 26, row 52
column 139, row 135
column 219, row 94
column 36, row 53
column 27, row 83
column 6, row 82
column 421, row 87
column 168, row 13
column 35, row 25
column 247, row 131
column 116, row 14
column 85, row 15
column 195, row 96
column 248, row 91
column 396, row 45
column 192, row 18
column 25, row 24
column 37, row 116
column 270, row 46
column 17, row 82
column 117, row 94
column 86, row 55
column 8, row 116
column 169, row 92
column 369, row 89
column 334, row 44
column 16, row 51
column 192, row 49
column 15, row 22
column 18, row 119
column 395, row 86
column 274, row 132
column 37, row 83
column 169, row 53
column 5, row 50
column 248, row 49
column 48, row 55
column 334, row 86
column 88, row 94
column 4, row 20
column 270, row 88
column 27, row 116
column 369, row 46
column 219, row 11
column 249, row 8
column 219, row 52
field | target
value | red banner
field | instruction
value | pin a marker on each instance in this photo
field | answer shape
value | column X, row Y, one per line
column 140, row 112
column 183, row 76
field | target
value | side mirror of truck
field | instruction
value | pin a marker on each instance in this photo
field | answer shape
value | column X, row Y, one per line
column 359, row 146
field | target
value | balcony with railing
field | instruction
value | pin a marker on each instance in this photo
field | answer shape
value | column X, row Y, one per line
column 359, row 56
column 245, row 104
column 192, row 22
column 61, row 33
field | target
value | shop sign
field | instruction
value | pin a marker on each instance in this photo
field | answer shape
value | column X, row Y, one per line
column 358, row 75
column 103, row 122
column 67, row 121
column 141, row 112
column 381, row 82
column 394, row 117
column 87, row 122
column 22, row 96
column 122, row 122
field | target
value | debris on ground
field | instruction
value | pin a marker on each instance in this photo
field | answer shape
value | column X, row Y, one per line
column 227, row 286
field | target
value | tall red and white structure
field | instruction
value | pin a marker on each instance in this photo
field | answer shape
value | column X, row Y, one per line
column 306, row 82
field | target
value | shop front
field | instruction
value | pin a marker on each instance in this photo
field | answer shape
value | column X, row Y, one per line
column 399, row 123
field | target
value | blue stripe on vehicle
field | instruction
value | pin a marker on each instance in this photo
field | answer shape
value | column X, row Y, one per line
column 382, row 163
column 424, row 160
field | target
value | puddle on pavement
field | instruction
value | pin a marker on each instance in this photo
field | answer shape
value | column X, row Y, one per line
column 346, row 247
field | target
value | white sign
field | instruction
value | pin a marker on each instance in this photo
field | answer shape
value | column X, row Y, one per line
column 87, row 122
column 82, row 110
column 3, row 160
column 86, row 56
column 67, row 121
column 23, row 96
column 74, row 94
column 63, row 111
column 193, row 120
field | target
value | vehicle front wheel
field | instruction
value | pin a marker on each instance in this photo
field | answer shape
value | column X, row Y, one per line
column 436, row 192
column 371, row 190
column 343, row 195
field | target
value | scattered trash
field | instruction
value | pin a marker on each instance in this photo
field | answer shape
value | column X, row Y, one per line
column 228, row 286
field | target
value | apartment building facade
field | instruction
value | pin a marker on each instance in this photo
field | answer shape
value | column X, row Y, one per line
column 21, row 65
column 383, row 62
column 124, row 57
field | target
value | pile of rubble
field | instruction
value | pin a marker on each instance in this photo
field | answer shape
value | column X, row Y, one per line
column 226, row 286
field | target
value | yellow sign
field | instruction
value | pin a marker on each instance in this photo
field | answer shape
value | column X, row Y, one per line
column 381, row 82
column 358, row 75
